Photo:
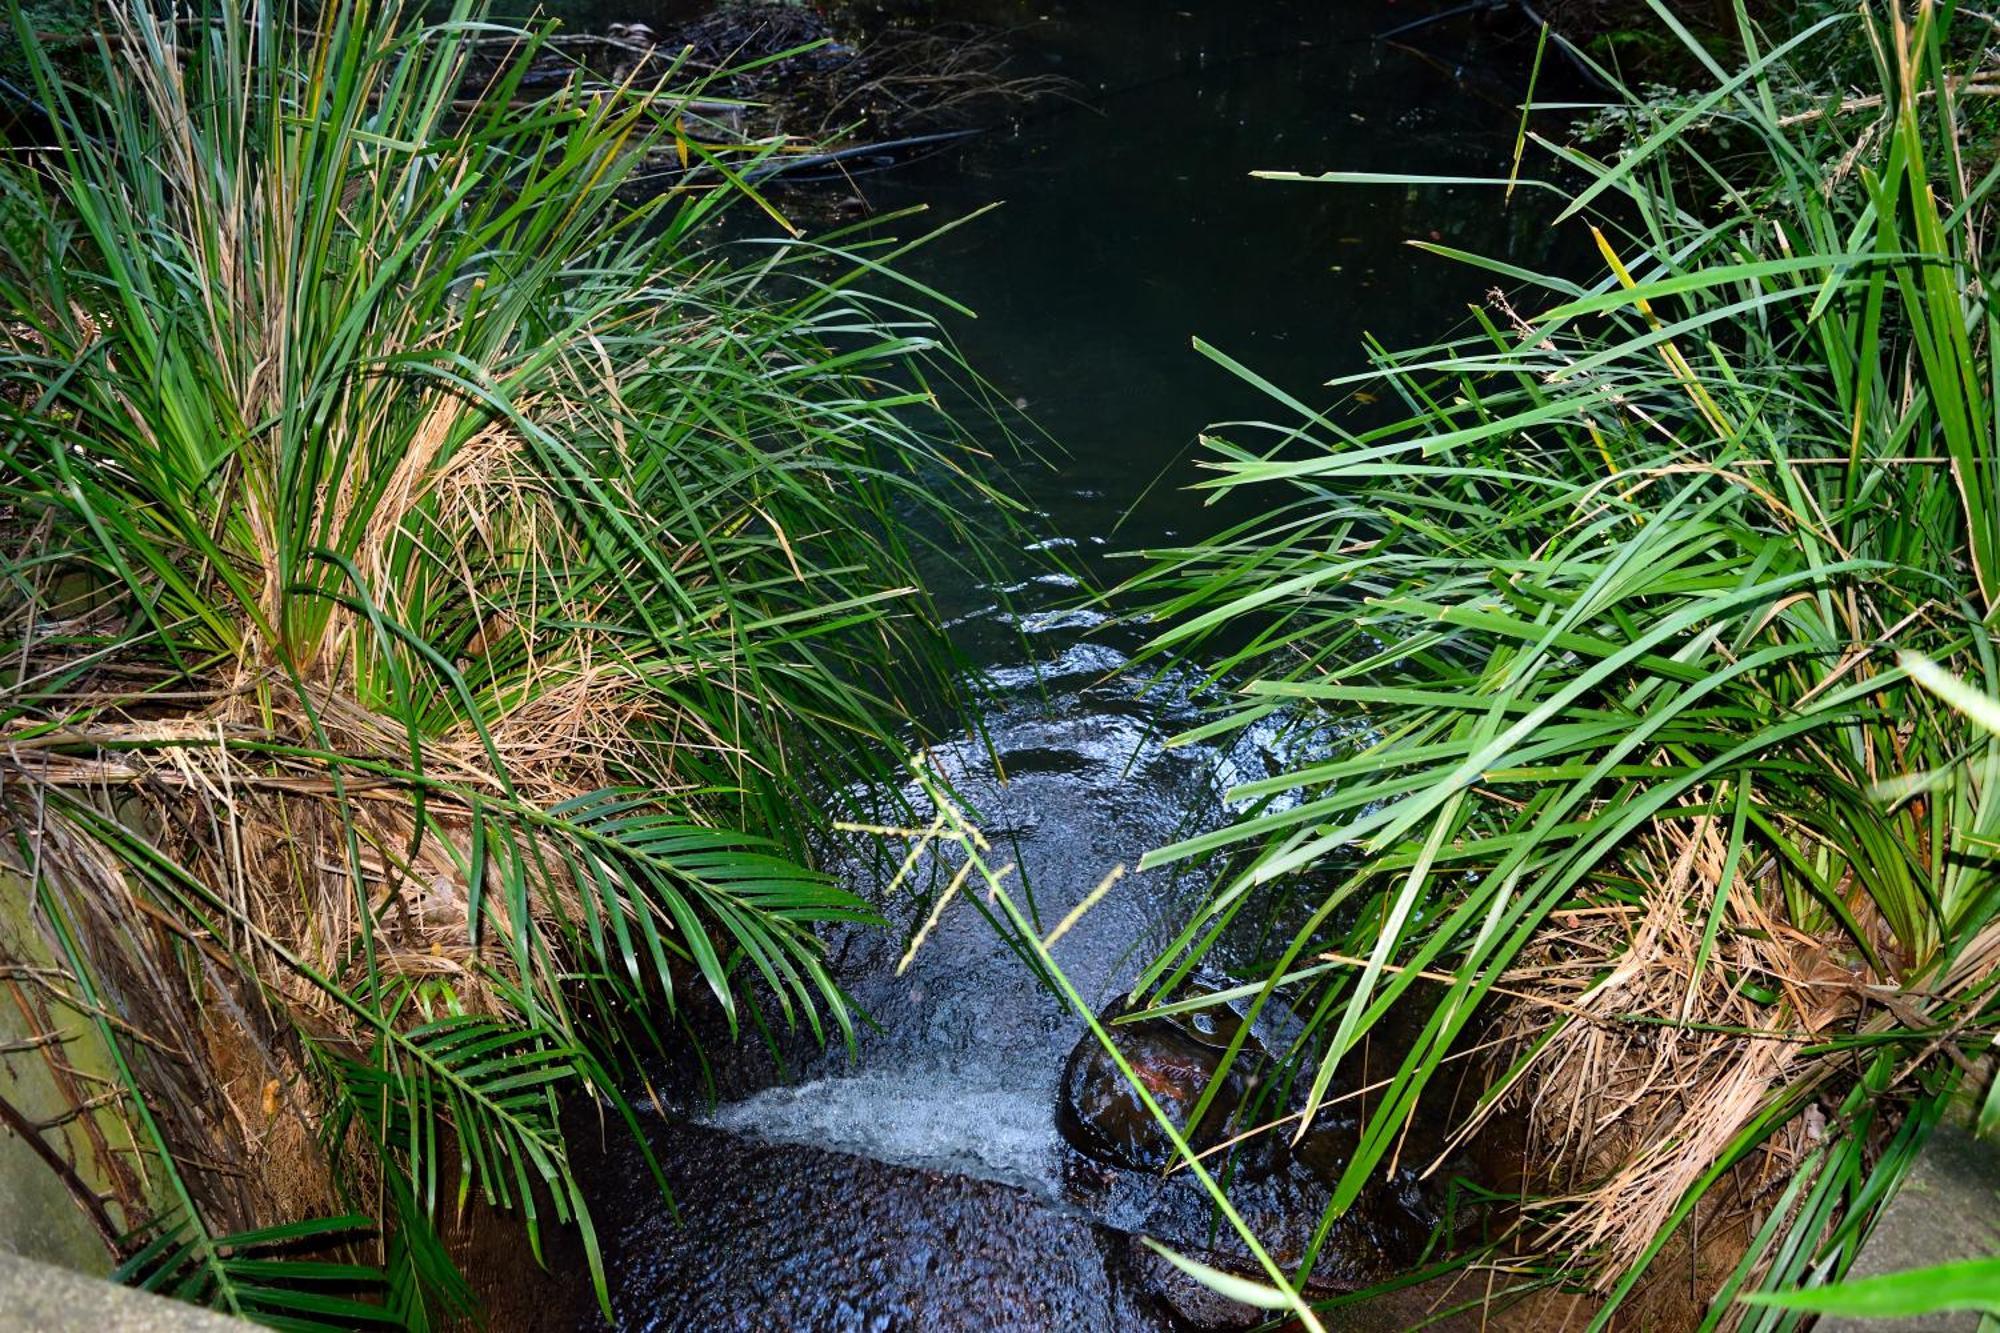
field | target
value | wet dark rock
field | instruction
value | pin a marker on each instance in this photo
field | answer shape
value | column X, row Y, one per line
column 1281, row 1189
column 776, row 1236
column 1101, row 1113
column 1191, row 1304
column 1329, row 1145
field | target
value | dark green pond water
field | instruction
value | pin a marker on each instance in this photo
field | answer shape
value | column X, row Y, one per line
column 923, row 1184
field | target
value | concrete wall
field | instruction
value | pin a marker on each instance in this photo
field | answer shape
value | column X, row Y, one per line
column 36, row 1298
column 38, row 1218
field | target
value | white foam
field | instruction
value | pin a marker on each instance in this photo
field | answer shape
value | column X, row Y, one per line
column 933, row 1119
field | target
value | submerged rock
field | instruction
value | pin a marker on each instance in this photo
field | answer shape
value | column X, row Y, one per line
column 1174, row 1057
column 1279, row 1188
column 1102, row 1115
column 784, row 1236
column 1328, row 1146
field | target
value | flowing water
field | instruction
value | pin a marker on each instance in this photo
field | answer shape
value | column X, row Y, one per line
column 922, row 1183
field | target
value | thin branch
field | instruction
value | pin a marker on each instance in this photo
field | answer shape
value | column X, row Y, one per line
column 79, row 1189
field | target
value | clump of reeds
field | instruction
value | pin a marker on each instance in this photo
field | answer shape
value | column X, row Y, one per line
column 445, row 592
column 1622, row 597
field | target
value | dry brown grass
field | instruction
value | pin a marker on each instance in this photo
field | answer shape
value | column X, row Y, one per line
column 1648, row 1068
column 1655, row 1064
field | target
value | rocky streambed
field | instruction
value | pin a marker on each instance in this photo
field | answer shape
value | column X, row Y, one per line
column 972, row 1163
column 979, row 1162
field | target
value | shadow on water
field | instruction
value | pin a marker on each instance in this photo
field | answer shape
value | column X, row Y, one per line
column 923, row 1183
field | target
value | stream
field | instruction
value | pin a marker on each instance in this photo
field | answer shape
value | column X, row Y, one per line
column 923, row 1183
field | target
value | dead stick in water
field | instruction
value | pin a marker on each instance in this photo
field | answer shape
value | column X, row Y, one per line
column 1349, row 960
column 780, row 165
column 1443, row 16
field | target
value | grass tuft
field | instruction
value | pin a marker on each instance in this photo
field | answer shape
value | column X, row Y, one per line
column 1620, row 597
column 446, row 593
